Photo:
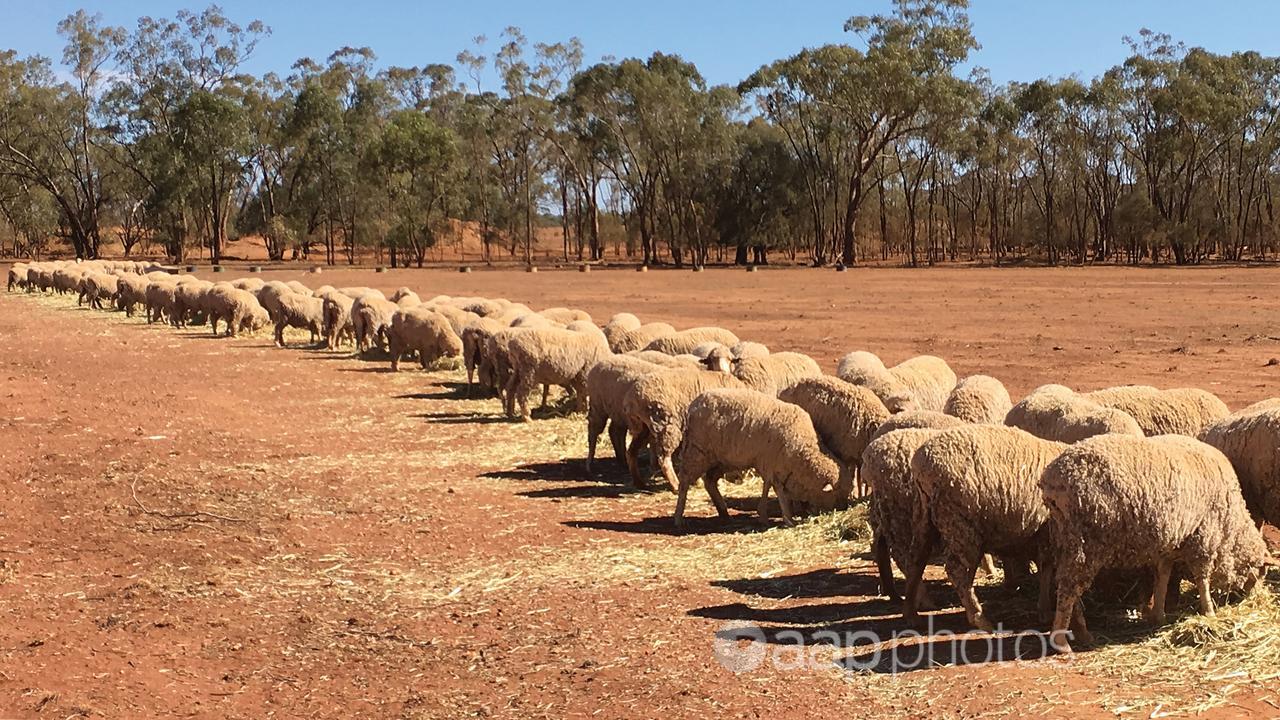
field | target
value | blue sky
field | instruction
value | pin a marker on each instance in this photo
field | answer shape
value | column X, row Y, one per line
column 1022, row 40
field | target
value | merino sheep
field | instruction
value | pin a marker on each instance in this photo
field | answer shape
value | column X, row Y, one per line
column 685, row 341
column 159, row 300
column 355, row 293
column 252, row 285
column 299, row 311
column 100, row 287
column 746, row 349
column 475, row 337
column 131, row 291
column 1056, row 412
column 564, row 316
column 1132, row 502
column 299, row 288
column 979, row 399
column 337, row 319
column 269, row 297
column 484, row 307
column 1180, row 411
column 776, row 372
column 239, row 309
column 845, row 417
column 866, row 369
column 607, row 383
column 894, row 502
column 18, row 277
column 1250, row 439
column 406, row 298
column 423, row 331
column 920, row 383
column 550, row 356
column 619, row 325
column 918, row 420
column 739, row 429
column 640, row 338
column 370, row 317
column 188, row 300
column 979, row 493
column 655, row 408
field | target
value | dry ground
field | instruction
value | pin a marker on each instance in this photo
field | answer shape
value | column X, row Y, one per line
column 201, row 527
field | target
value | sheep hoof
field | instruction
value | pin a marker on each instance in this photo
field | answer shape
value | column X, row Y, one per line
column 980, row 622
column 1058, row 641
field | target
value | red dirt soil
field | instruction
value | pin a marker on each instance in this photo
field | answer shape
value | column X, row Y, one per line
column 200, row 527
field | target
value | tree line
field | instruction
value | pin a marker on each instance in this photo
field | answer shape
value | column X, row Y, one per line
column 157, row 139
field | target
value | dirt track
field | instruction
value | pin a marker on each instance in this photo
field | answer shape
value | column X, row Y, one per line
column 208, row 528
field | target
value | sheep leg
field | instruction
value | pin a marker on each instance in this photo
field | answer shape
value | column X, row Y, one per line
column 880, row 548
column 639, row 437
column 988, row 565
column 961, row 567
column 1159, row 592
column 213, row 323
column 669, row 471
column 595, row 425
column 921, row 548
column 545, row 389
column 520, row 395
column 1206, row 600
column 279, row 334
column 711, row 481
column 762, row 506
column 618, row 438
column 1045, row 574
column 784, row 503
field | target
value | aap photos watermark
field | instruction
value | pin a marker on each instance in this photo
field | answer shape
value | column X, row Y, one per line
column 743, row 647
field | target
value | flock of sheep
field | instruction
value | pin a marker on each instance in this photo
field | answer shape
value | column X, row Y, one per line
column 1128, row 478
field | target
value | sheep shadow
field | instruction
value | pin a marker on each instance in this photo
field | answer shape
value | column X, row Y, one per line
column 449, row 391
column 585, row 492
column 446, row 418
column 553, row 471
column 824, row 582
column 664, row 525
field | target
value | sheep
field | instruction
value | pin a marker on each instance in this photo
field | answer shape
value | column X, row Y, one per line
column 619, row 325
column 776, row 372
column 458, row 319
column 188, row 298
column 337, row 319
column 1118, row 501
column 100, row 287
column 239, row 309
column 564, row 316
column 586, row 326
column 269, row 297
column 640, row 338
column 18, row 277
column 534, row 320
column 845, row 416
column 921, row 383
column 688, row 362
column 744, row 349
column 131, row 291
column 978, row 493
column 1056, row 412
column 159, row 300
column 474, row 339
column 405, row 298
column 252, row 285
column 1250, row 439
column 979, row 399
column 894, row 499
column 299, row 288
column 550, row 356
column 866, row 369
column 370, row 318
column 66, row 280
column 686, row 340
column 423, row 331
column 1260, row 406
column 740, row 429
column 299, row 311
column 607, row 384
column 655, row 407
column 355, row 293
column 917, row 419
column 483, row 307
column 1180, row 411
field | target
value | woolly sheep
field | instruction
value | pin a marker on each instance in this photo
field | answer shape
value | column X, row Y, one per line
column 131, row 291
column 744, row 349
column 979, row 493
column 866, row 369
column 355, row 293
column 159, row 300
column 894, row 501
column 269, row 297
column 776, row 372
column 188, row 301
column 740, row 429
column 407, row 299
column 18, row 277
column 423, row 331
column 1180, row 411
column 299, row 311
column 475, row 337
column 1250, row 439
column 685, row 341
column 252, row 285
column 370, row 318
column 922, row 383
column 1133, row 502
column 564, row 316
column 619, row 325
column 918, row 419
column 845, row 416
column 640, row 338
column 299, row 288
column 550, row 356
column 1056, row 412
column 979, row 399
column 239, row 309
column 655, row 407
column 100, row 287
column 483, row 307
column 337, row 319
column 606, row 386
